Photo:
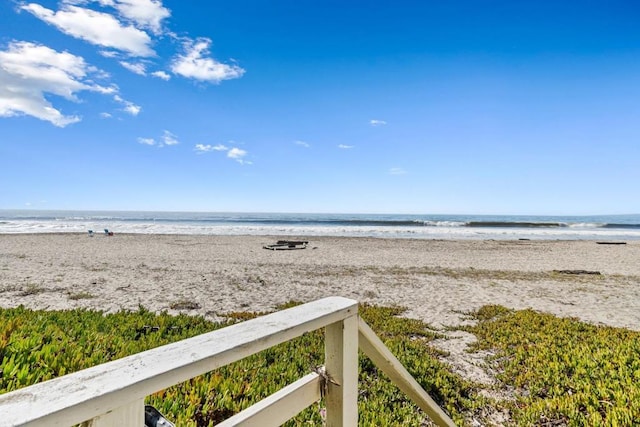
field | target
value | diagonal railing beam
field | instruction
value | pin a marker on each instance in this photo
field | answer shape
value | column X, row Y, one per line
column 382, row 357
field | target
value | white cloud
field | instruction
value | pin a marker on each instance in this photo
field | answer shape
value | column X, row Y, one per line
column 208, row 148
column 161, row 75
column 129, row 106
column 397, row 171
column 169, row 139
column 238, row 155
column 193, row 64
column 147, row 14
column 109, row 53
column 29, row 72
column 98, row 28
column 137, row 68
column 202, row 148
column 132, row 109
column 144, row 13
column 105, row 115
column 377, row 122
column 302, row 144
column 234, row 153
column 345, row 147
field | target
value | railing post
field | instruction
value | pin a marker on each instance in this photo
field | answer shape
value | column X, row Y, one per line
column 341, row 362
column 131, row 415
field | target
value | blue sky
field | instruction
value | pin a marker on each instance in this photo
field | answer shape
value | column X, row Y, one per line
column 468, row 107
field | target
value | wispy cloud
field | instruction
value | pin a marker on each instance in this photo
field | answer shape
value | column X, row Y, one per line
column 238, row 155
column 147, row 14
column 128, row 106
column 202, row 148
column 95, row 27
column 375, row 122
column 234, row 153
column 302, row 144
column 161, row 75
column 137, row 67
column 108, row 53
column 29, row 71
column 167, row 139
column 397, row 171
column 345, row 147
column 194, row 63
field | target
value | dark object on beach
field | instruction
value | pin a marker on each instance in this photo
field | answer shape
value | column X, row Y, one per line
column 153, row 418
column 106, row 233
column 611, row 243
column 523, row 239
column 287, row 245
column 577, row 272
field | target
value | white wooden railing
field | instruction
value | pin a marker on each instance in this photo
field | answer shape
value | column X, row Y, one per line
column 112, row 394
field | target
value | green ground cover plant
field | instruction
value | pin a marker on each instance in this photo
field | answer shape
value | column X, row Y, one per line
column 559, row 371
column 565, row 372
column 39, row 345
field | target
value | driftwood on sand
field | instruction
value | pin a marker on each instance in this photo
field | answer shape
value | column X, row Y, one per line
column 287, row 245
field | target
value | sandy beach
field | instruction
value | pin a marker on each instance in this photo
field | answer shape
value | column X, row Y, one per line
column 436, row 280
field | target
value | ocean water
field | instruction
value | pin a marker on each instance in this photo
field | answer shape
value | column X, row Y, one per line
column 609, row 227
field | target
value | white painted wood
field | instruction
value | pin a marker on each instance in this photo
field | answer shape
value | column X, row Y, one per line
column 131, row 415
column 113, row 394
column 86, row 394
column 341, row 361
column 375, row 349
column 278, row 408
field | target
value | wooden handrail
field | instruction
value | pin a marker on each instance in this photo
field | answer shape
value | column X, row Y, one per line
column 86, row 394
column 112, row 394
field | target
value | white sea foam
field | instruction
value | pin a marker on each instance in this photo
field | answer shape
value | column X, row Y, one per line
column 392, row 226
column 445, row 223
column 586, row 225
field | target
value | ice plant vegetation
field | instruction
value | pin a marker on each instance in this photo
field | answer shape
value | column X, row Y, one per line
column 564, row 372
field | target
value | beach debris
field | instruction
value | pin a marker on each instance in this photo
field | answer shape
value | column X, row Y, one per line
column 577, row 272
column 184, row 304
column 106, row 232
column 611, row 243
column 287, row 245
